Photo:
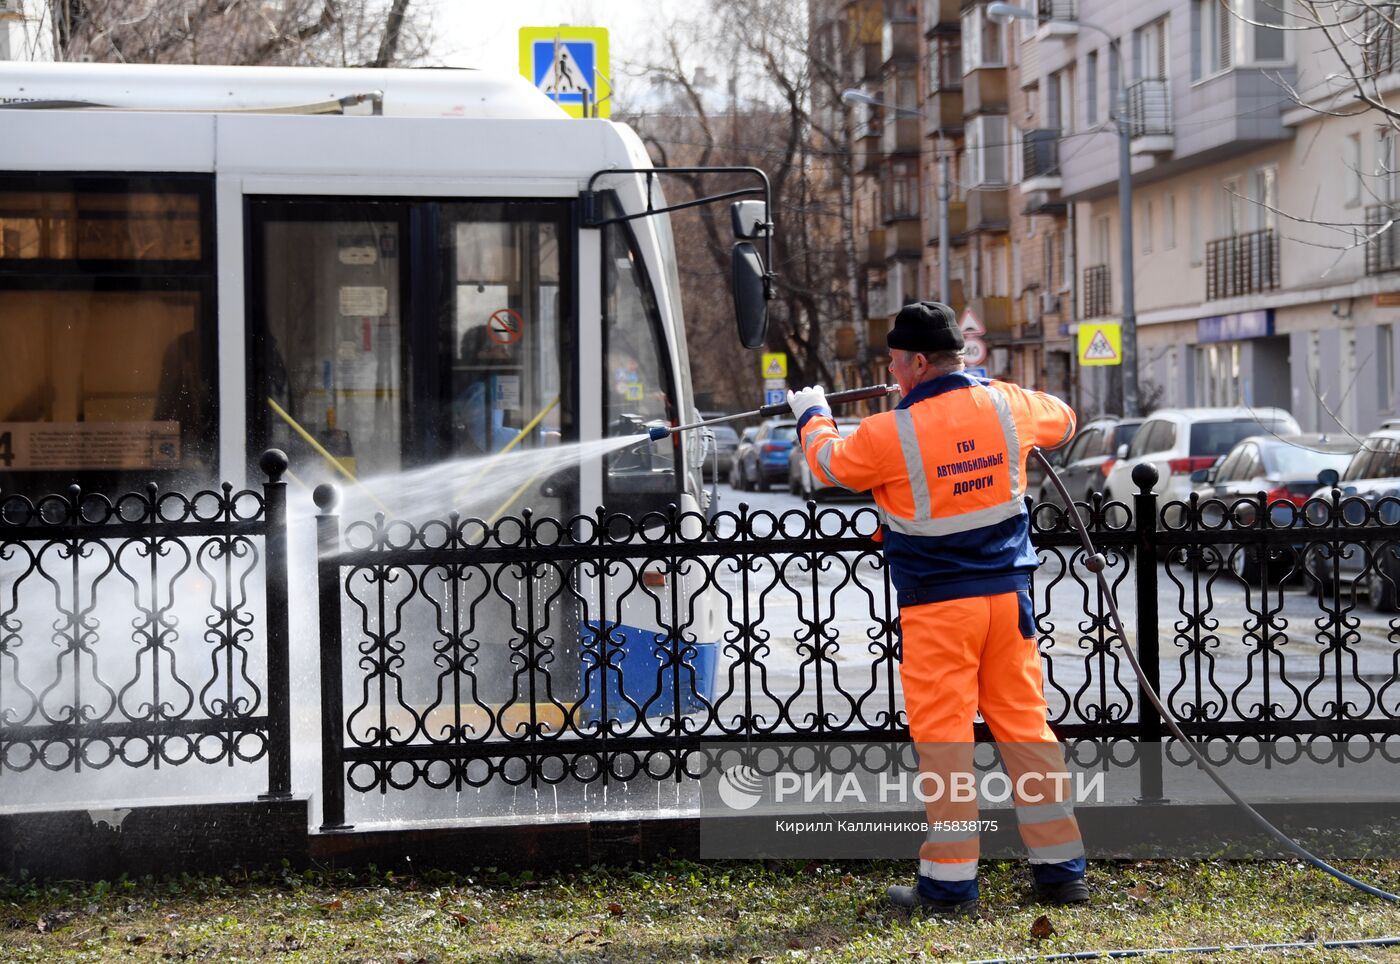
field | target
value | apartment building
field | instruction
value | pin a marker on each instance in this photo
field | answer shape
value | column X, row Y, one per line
column 944, row 107
column 1255, row 281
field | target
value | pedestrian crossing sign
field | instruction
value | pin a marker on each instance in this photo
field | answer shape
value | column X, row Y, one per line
column 570, row 64
column 1100, row 344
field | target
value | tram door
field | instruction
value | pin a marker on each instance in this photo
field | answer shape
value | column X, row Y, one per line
column 395, row 336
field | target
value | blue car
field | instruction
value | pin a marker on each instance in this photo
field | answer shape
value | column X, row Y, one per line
column 765, row 460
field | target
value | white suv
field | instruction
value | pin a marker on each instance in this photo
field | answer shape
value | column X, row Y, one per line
column 1178, row 441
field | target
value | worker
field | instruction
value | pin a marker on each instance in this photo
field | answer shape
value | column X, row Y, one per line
column 947, row 470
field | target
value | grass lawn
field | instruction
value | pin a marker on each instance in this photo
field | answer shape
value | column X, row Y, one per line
column 745, row 912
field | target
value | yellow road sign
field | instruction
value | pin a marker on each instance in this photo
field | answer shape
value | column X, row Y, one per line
column 775, row 364
column 570, row 64
column 1100, row 343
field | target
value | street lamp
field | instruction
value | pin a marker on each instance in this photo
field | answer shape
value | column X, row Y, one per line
column 1004, row 13
column 853, row 95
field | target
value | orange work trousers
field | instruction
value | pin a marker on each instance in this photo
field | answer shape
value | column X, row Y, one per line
column 962, row 656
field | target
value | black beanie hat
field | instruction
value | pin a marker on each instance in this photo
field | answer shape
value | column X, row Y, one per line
column 925, row 326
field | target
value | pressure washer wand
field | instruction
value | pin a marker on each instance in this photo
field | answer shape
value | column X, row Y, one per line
column 769, row 411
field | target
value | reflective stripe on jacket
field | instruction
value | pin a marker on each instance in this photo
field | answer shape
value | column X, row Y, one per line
column 947, row 470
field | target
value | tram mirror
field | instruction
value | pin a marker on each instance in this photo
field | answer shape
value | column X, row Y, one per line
column 750, row 219
column 1329, row 478
column 750, row 299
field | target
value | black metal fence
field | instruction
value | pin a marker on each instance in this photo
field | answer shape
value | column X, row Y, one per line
column 1149, row 107
column 1098, row 292
column 1382, row 252
column 1242, row 264
column 603, row 647
column 147, row 630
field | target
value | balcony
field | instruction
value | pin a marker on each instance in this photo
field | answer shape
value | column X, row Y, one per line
column 1150, row 116
column 943, row 113
column 1056, row 18
column 872, row 249
column 984, row 91
column 900, row 41
column 1379, row 40
column 868, row 148
column 1242, row 264
column 957, row 224
column 941, row 16
column 988, row 209
column 901, row 135
column 899, row 196
column 866, row 62
column 994, row 311
column 1040, row 160
column 1383, row 244
column 1098, row 295
column 902, row 240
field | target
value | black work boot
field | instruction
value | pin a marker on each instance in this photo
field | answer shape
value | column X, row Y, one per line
column 909, row 898
column 1064, row 892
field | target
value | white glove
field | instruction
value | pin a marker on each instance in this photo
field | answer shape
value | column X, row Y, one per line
column 806, row 399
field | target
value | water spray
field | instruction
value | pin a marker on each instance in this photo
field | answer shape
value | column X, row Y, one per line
column 771, row 411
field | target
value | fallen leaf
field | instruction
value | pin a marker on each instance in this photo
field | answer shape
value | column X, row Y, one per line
column 794, row 945
column 462, row 919
column 615, row 909
column 1308, row 935
column 1140, row 892
column 48, row 923
column 336, row 904
column 137, row 939
column 1041, row 928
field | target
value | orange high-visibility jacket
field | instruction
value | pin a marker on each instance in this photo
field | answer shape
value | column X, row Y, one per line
column 947, row 470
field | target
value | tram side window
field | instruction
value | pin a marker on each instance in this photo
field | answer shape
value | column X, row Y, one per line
column 637, row 383
column 106, row 318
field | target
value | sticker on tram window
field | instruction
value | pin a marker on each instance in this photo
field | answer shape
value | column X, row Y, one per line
column 507, row 395
column 360, row 250
column 634, row 391
column 69, row 446
column 364, row 301
column 506, row 326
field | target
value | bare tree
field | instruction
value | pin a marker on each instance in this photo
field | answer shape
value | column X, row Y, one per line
column 763, row 117
column 343, row 33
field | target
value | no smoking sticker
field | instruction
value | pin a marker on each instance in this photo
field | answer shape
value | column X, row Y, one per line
column 506, row 326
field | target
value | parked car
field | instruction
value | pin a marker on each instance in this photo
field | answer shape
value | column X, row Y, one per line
column 746, row 440
column 801, row 481
column 726, row 442
column 1084, row 464
column 766, row 460
column 1180, row 441
column 1372, row 474
column 1285, row 469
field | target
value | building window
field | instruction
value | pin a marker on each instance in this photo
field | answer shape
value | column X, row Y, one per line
column 1214, row 35
column 1059, row 100
column 1386, row 173
column 1218, row 374
column 1150, row 56
column 983, row 41
column 1193, row 227
column 1351, row 161
column 1385, row 365
column 1102, row 242
column 1149, row 228
column 986, row 151
column 1066, row 261
column 1267, row 32
column 1091, row 88
column 1263, row 198
column 1230, row 216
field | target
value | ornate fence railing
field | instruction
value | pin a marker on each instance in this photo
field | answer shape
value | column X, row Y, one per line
column 538, row 650
column 147, row 630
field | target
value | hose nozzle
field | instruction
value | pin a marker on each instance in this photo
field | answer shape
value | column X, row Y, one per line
column 658, row 432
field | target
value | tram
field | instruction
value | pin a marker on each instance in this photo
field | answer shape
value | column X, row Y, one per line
column 373, row 270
